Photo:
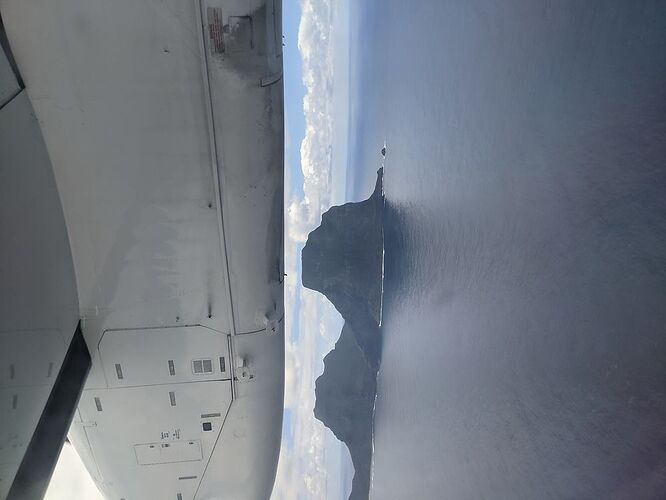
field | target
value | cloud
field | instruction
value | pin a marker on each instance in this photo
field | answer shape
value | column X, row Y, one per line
column 302, row 470
column 71, row 479
column 315, row 44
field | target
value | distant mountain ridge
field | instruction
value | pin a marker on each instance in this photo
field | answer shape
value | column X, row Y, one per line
column 342, row 259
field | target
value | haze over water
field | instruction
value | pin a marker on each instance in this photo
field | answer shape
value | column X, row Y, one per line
column 524, row 312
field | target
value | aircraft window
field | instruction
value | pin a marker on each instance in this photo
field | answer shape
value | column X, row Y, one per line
column 207, row 426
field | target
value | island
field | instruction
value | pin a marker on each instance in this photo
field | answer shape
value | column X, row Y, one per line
column 343, row 260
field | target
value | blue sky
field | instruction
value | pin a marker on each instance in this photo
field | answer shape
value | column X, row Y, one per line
column 313, row 464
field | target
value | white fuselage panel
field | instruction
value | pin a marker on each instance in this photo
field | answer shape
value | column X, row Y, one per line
column 164, row 125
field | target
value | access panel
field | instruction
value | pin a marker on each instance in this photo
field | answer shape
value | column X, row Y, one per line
column 167, row 453
column 151, row 356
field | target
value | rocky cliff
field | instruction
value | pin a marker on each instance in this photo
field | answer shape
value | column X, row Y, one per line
column 343, row 260
column 345, row 400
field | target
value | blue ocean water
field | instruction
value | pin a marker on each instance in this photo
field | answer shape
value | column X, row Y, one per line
column 525, row 245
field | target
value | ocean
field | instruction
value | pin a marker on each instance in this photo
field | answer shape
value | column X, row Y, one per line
column 524, row 315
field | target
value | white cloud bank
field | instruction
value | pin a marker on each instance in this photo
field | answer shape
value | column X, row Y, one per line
column 315, row 43
column 302, row 471
column 71, row 479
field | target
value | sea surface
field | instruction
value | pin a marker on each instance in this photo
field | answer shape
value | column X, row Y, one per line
column 524, row 314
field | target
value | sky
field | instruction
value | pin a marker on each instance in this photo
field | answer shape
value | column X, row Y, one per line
column 313, row 464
